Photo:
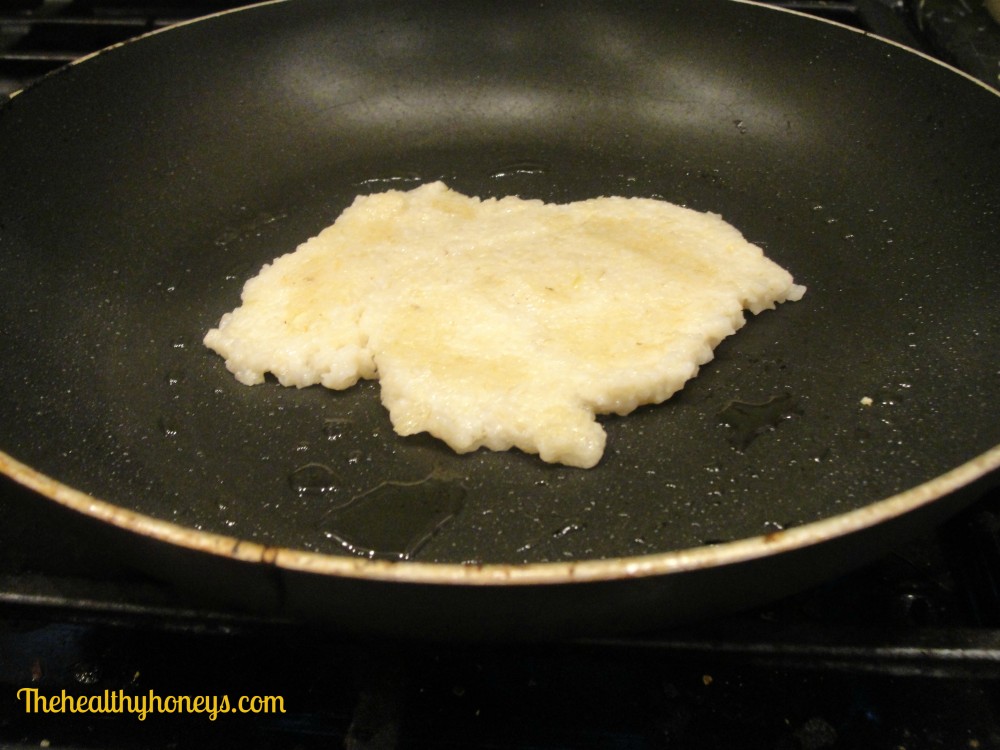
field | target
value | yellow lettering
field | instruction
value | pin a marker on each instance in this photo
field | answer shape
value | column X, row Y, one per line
column 155, row 705
column 30, row 698
column 150, row 703
column 141, row 708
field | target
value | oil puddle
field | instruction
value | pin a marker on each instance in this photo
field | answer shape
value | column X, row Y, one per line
column 395, row 520
column 313, row 479
column 747, row 421
column 319, row 480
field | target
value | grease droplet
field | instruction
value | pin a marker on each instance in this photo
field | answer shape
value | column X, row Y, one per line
column 167, row 429
column 568, row 529
column 747, row 420
column 334, row 428
column 314, row 479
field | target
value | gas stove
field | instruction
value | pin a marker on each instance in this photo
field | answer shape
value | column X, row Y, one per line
column 904, row 653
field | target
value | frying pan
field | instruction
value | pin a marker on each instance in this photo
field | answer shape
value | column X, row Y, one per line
column 142, row 187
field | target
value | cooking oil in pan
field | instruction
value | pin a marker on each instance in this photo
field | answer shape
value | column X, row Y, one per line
column 318, row 479
column 748, row 420
column 395, row 520
column 525, row 167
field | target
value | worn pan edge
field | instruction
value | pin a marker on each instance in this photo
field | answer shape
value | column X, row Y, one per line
column 899, row 45
column 753, row 3
column 659, row 564
column 138, row 38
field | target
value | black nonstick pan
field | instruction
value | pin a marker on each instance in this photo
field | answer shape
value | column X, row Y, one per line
column 143, row 186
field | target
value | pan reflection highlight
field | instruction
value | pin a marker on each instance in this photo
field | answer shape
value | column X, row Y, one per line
column 624, row 80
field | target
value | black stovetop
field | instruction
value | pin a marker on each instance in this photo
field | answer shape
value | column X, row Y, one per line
column 904, row 653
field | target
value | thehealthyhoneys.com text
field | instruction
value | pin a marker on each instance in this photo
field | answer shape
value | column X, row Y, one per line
column 149, row 703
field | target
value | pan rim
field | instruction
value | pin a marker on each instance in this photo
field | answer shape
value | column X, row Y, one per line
column 138, row 38
column 876, row 37
column 506, row 574
column 752, row 3
column 496, row 574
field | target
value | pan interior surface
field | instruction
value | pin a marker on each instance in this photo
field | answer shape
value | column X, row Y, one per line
column 144, row 186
